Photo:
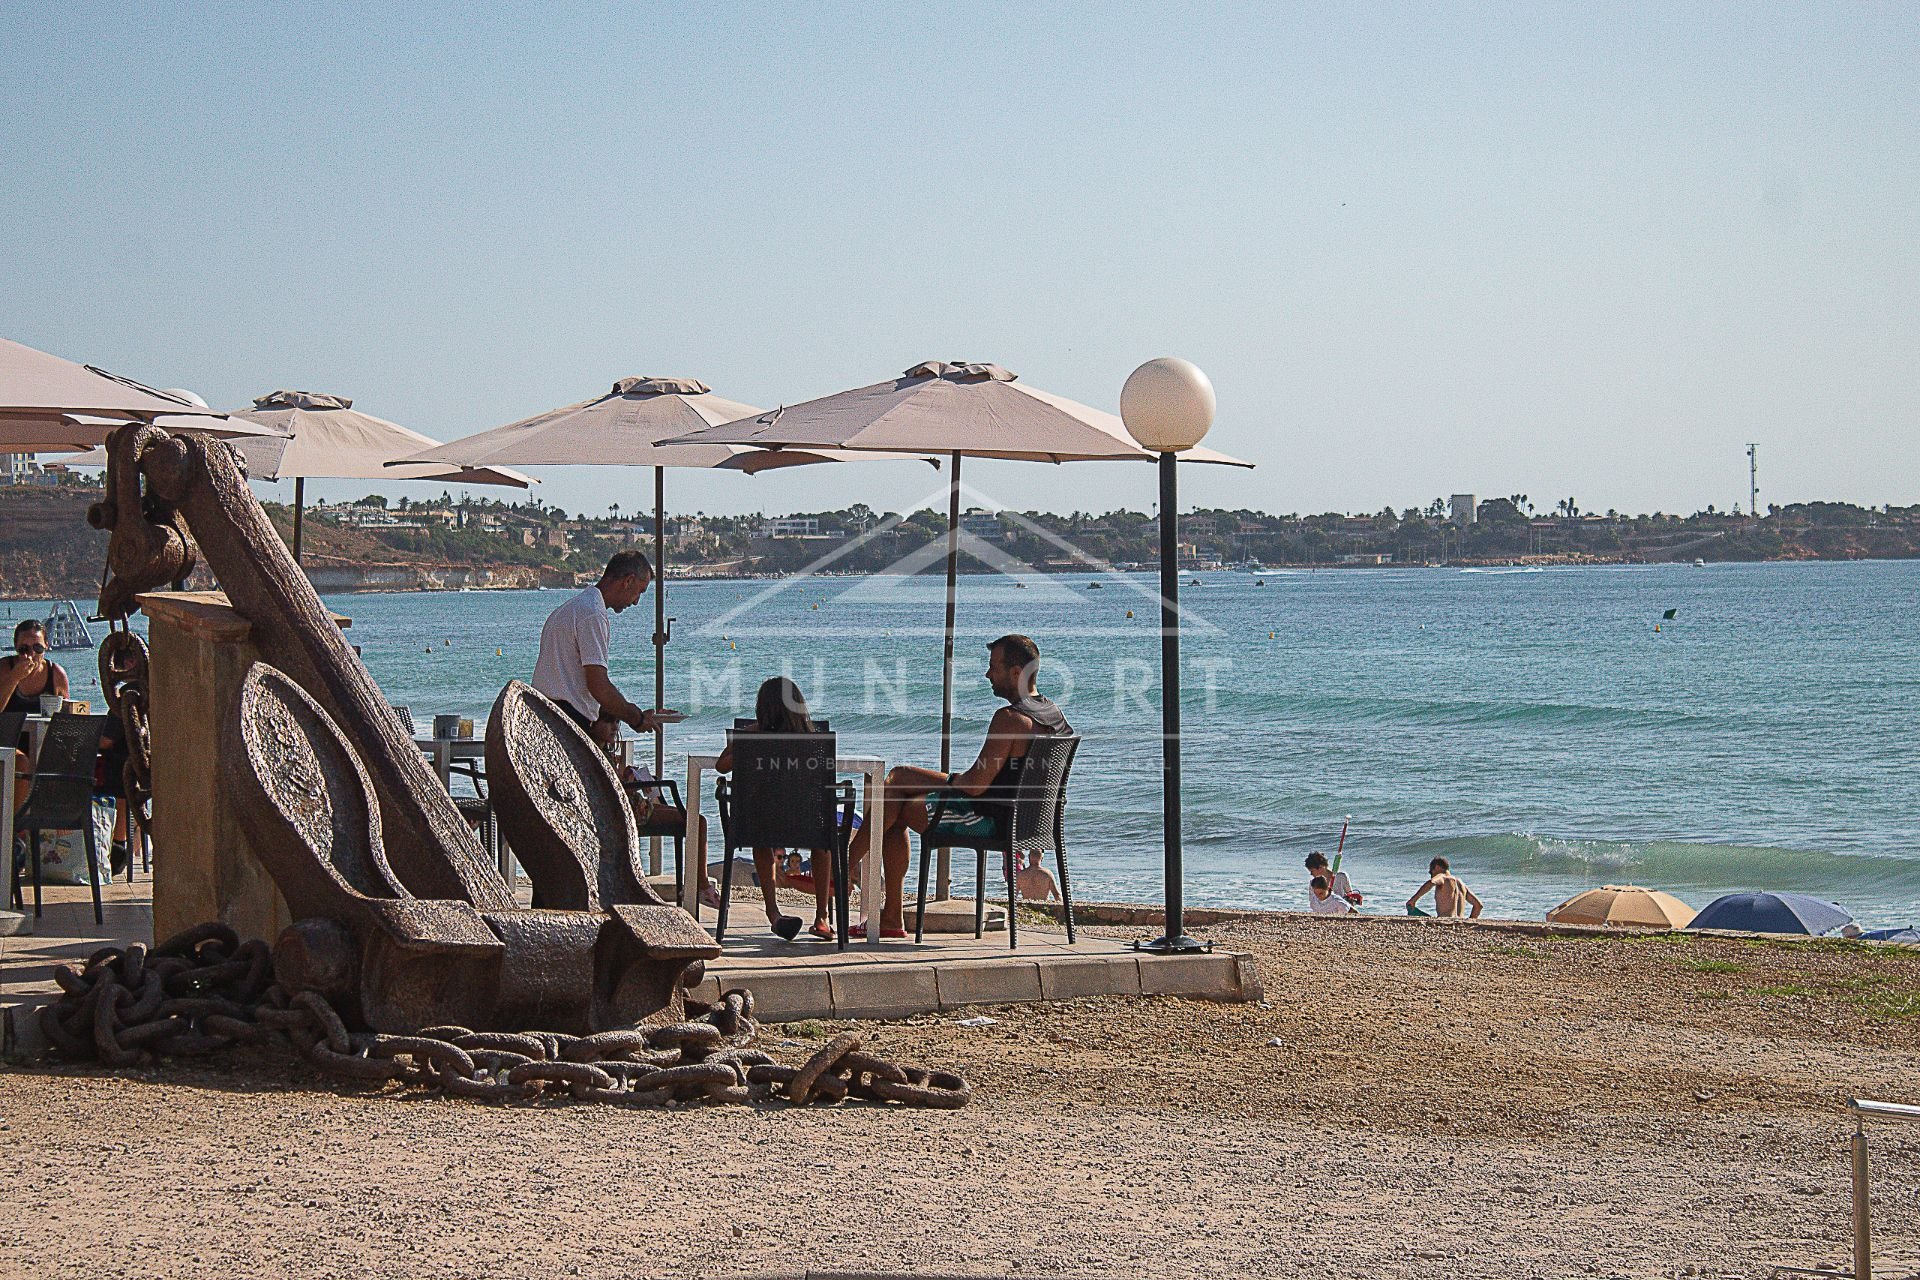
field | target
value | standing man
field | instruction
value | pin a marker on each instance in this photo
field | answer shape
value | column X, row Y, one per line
column 572, row 668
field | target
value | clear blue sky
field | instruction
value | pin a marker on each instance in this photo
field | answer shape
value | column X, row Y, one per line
column 1584, row 250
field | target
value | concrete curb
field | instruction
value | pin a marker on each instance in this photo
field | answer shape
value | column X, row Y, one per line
column 884, row 991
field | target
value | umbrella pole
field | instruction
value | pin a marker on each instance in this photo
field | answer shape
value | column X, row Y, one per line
column 659, row 640
column 946, row 661
column 299, row 502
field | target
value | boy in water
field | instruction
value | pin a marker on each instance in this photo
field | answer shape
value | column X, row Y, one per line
column 1323, row 901
column 1450, row 892
column 1337, row 881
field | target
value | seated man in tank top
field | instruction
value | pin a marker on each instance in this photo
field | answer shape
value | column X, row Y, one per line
column 976, row 800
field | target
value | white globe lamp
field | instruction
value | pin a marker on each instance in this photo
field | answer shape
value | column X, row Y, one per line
column 1167, row 405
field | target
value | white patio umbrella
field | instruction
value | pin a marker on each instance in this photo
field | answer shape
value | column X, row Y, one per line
column 960, row 410
column 625, row 427
column 325, row 438
column 51, row 405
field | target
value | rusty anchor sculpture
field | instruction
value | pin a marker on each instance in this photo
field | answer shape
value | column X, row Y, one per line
column 397, row 909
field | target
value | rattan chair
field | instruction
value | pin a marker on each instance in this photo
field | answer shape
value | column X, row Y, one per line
column 62, row 800
column 785, row 793
column 1035, row 822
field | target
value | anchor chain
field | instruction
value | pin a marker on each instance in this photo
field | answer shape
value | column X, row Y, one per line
column 123, row 683
column 204, row 990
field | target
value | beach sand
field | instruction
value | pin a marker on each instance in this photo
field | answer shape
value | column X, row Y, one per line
column 1444, row 1101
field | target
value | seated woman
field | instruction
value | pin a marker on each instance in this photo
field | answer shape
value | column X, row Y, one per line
column 779, row 707
column 26, row 675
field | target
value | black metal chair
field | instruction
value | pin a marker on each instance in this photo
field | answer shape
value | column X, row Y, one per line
column 62, row 799
column 1035, row 822
column 785, row 793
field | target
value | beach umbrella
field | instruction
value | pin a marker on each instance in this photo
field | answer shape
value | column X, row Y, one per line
column 626, row 427
column 960, row 411
column 1626, row 905
column 51, row 405
column 1905, row 933
column 1771, row 913
column 325, row 438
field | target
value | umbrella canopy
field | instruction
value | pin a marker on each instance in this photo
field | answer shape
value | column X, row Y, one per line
column 51, row 405
column 978, row 410
column 625, row 428
column 1627, row 905
column 1771, row 913
column 325, row 437
column 1905, row 933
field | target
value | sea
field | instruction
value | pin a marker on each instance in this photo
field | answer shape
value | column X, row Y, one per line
column 1702, row 729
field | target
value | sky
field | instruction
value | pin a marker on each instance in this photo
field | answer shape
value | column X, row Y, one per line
column 1566, row 250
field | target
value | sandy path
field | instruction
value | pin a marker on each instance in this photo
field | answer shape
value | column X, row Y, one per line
column 1446, row 1103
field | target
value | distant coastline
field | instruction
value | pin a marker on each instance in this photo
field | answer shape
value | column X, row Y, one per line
column 48, row 551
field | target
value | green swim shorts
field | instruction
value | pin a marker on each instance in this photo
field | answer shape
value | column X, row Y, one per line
column 961, row 818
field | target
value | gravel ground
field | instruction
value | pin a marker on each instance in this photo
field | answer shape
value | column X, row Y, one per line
column 1442, row 1101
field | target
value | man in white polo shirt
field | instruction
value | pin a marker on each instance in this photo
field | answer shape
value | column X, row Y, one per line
column 572, row 669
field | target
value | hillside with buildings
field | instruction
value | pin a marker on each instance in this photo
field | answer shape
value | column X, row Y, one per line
column 48, row 550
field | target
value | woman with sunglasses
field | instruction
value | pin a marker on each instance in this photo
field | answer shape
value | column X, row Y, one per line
column 24, row 677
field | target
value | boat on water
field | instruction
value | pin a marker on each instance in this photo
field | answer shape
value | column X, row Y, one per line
column 1699, row 564
column 67, row 628
column 1096, row 586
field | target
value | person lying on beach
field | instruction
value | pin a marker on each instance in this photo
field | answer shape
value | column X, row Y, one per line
column 1450, row 892
column 1337, row 881
column 1323, row 901
column 975, row 800
column 779, row 707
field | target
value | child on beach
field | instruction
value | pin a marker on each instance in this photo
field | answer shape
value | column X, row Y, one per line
column 1450, row 892
column 1323, row 901
column 779, row 707
column 1337, row 881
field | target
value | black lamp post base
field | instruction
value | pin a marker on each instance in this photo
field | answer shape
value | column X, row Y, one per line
column 1179, row 945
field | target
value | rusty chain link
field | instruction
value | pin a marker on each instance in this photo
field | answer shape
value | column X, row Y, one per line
column 123, row 685
column 204, row 990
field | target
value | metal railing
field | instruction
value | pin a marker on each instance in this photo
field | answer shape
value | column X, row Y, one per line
column 1863, row 1111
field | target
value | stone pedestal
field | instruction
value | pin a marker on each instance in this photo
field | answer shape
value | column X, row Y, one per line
column 203, row 867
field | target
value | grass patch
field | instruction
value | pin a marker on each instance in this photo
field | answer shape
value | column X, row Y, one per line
column 810, row 1029
column 1519, row 950
column 1673, row 938
column 1716, row 995
column 1714, row 966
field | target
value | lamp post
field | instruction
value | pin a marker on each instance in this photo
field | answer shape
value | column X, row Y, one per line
column 1168, row 405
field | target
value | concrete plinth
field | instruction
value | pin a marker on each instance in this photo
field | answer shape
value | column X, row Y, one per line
column 204, row 868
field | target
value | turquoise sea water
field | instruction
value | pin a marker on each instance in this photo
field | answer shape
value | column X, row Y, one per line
column 1531, row 725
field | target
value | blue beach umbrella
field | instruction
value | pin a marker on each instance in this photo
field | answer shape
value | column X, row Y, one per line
column 1772, row 913
column 1905, row 933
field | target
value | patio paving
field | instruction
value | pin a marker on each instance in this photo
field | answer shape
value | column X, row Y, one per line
column 790, row 980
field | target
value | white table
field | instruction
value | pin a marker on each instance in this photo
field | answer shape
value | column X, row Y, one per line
column 693, row 867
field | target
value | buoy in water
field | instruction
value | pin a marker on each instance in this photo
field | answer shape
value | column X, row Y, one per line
column 446, row 644
column 816, row 606
column 1129, row 613
column 499, row 653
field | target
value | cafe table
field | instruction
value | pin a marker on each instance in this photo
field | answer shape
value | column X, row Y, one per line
column 872, row 769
